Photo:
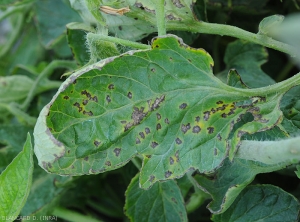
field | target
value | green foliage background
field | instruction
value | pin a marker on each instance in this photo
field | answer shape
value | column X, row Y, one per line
column 42, row 42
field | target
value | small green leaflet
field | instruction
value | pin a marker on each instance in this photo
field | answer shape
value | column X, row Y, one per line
column 15, row 183
column 264, row 203
column 162, row 202
column 164, row 104
column 230, row 179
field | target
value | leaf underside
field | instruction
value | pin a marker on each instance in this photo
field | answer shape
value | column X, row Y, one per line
column 163, row 104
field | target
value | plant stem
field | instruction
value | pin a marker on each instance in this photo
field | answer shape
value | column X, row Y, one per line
column 45, row 73
column 271, row 152
column 72, row 216
column 227, row 30
column 160, row 17
column 95, row 37
column 219, row 29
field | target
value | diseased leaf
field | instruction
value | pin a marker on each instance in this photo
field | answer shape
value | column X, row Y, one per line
column 229, row 180
column 246, row 58
column 15, row 183
column 162, row 202
column 262, row 203
column 52, row 17
column 164, row 104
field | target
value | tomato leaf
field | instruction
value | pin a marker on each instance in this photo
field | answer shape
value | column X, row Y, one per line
column 15, row 183
column 164, row 104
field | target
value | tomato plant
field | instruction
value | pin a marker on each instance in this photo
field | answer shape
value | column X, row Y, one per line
column 169, row 110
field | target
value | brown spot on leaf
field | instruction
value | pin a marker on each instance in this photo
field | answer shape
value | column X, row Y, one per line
column 129, row 95
column 220, row 102
column 171, row 161
column 253, row 109
column 157, row 102
column 206, row 115
column 196, row 129
column 120, row 28
column 151, row 178
column 95, row 99
column 172, row 17
column 108, row 99
column 89, row 113
column 222, row 107
column 66, row 97
column 137, row 141
column 142, row 135
column 168, row 174
column 152, row 70
column 158, row 116
column 219, row 137
column 97, row 143
column 111, row 86
column 154, row 144
column 147, row 130
column 215, row 151
column 210, row 130
column 174, row 200
column 185, row 128
column 137, row 116
column 183, row 106
column 177, row 3
column 167, row 121
column 117, row 151
column 108, row 163
column 223, row 115
column 85, row 102
column 197, row 119
column 86, row 158
column 158, row 126
column 76, row 104
column 178, row 141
